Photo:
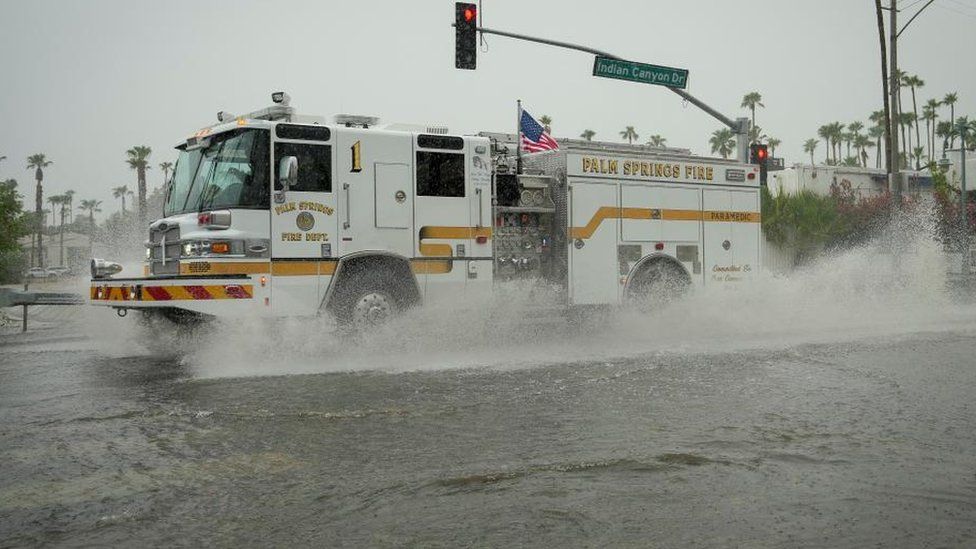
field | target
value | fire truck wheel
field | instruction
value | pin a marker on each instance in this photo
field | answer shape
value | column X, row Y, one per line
column 365, row 307
column 656, row 284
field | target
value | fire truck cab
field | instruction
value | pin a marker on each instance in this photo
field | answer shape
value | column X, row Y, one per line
column 277, row 214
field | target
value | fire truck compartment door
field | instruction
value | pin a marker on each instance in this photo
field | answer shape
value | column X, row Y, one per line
column 593, row 243
column 731, row 246
column 394, row 195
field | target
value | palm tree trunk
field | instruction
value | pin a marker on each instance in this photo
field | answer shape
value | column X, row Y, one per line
column 142, row 195
column 38, row 205
column 952, row 121
column 918, row 139
column 904, row 147
column 62, row 236
column 811, row 158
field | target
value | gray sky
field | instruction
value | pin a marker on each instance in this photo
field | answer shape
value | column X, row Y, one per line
column 85, row 80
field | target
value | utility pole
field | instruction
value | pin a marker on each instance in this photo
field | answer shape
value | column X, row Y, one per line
column 895, row 183
column 964, row 201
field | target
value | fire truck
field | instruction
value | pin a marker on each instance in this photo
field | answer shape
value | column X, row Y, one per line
column 277, row 214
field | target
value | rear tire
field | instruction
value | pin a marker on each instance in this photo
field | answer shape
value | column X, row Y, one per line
column 657, row 284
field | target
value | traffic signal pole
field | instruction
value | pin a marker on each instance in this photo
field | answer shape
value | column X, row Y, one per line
column 739, row 126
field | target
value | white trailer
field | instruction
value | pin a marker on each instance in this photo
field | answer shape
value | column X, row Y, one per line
column 273, row 214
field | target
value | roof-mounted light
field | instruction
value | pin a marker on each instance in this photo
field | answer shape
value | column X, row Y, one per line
column 354, row 120
column 281, row 98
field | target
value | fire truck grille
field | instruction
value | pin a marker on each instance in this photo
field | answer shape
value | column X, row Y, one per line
column 164, row 259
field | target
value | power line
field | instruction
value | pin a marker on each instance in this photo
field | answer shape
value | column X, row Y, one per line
column 962, row 5
column 956, row 10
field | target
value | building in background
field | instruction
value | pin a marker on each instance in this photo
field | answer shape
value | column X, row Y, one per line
column 77, row 250
column 864, row 181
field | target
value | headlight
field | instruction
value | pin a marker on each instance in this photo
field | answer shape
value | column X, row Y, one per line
column 104, row 269
column 215, row 248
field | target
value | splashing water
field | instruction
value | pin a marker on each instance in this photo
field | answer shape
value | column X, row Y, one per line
column 864, row 292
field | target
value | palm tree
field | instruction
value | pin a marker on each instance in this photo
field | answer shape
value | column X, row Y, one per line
column 69, row 197
column 546, row 122
column 915, row 83
column 904, row 120
column 165, row 167
column 657, row 141
column 773, row 143
column 934, row 105
column 629, row 134
column 63, row 203
column 825, row 133
column 120, row 192
column 55, row 200
column 138, row 160
column 756, row 135
column 950, row 100
column 588, row 135
column 90, row 206
column 876, row 133
column 881, row 123
column 722, row 142
column 38, row 162
column 809, row 147
column 837, row 131
column 944, row 130
column 750, row 101
column 908, row 119
column 929, row 116
column 861, row 143
column 848, row 138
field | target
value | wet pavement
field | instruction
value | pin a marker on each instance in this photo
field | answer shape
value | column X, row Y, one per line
column 867, row 441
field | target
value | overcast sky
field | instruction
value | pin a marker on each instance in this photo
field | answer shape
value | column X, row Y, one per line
column 85, row 80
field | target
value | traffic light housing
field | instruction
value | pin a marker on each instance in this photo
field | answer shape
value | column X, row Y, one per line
column 465, row 37
column 759, row 154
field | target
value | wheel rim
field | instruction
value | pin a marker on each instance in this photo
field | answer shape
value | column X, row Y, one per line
column 372, row 309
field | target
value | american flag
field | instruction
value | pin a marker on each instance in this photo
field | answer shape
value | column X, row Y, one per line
column 534, row 137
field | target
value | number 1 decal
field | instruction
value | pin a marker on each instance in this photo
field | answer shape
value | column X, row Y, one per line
column 357, row 157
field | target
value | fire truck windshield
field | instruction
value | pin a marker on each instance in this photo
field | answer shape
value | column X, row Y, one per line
column 231, row 172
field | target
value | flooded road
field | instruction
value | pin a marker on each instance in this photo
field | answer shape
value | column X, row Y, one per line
column 849, row 442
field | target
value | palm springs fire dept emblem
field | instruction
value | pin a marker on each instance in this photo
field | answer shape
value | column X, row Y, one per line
column 305, row 221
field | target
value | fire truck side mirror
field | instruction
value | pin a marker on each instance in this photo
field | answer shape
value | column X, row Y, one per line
column 288, row 172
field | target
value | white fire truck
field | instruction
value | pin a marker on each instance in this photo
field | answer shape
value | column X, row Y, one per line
column 277, row 214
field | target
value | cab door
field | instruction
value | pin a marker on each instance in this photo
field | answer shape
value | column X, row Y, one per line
column 303, row 220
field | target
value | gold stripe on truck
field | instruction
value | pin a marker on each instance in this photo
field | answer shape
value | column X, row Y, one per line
column 611, row 212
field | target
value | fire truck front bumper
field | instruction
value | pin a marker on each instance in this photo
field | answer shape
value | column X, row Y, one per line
column 217, row 295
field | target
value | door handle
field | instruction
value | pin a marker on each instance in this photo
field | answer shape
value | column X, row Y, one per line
column 569, row 189
column 345, row 224
column 481, row 219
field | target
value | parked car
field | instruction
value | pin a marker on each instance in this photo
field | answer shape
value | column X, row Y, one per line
column 60, row 272
column 38, row 272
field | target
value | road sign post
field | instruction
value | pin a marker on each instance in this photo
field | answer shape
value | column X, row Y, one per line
column 643, row 73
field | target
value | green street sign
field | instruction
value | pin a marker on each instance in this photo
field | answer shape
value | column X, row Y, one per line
column 640, row 72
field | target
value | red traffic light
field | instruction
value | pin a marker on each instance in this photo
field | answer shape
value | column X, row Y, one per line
column 761, row 153
column 469, row 14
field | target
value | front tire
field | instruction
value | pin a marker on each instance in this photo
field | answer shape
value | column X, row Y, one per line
column 365, row 307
